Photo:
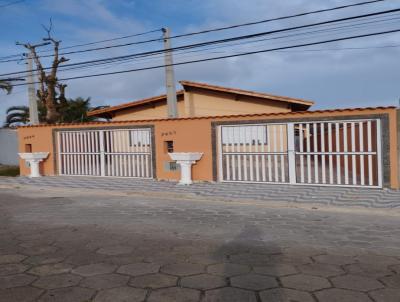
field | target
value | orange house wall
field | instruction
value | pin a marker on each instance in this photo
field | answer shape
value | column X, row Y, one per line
column 193, row 135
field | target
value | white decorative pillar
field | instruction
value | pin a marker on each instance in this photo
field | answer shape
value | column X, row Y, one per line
column 185, row 161
column 34, row 160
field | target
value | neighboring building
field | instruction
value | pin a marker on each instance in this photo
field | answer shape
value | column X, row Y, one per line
column 199, row 99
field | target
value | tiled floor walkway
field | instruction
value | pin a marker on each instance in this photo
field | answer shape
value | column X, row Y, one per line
column 337, row 196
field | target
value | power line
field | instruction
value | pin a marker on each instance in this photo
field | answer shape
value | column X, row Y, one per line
column 220, row 41
column 11, row 3
column 230, row 56
column 220, row 28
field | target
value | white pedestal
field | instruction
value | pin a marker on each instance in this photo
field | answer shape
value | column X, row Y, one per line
column 186, row 160
column 34, row 159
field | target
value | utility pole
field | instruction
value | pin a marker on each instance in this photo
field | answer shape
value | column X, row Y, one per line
column 169, row 76
column 33, row 109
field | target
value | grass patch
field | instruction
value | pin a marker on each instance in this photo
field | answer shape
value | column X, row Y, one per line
column 9, row 170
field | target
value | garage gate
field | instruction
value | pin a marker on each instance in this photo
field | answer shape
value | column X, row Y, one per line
column 116, row 152
column 338, row 153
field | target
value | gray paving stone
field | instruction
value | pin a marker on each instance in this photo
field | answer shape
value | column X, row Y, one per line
column 39, row 250
column 355, row 282
column 254, row 282
column 44, row 259
column 391, row 281
column 10, row 269
column 14, row 258
column 174, row 294
column 321, row 269
column 229, row 294
column 305, row 282
column 183, row 269
column 228, row 269
column 154, row 281
column 137, row 269
column 277, row 270
column 115, row 250
column 57, row 281
column 121, row 294
column 203, row 282
column 50, row 269
column 105, row 281
column 386, row 295
column 368, row 270
column 341, row 295
column 334, row 259
column 69, row 294
column 16, row 280
column 285, row 295
column 94, row 269
column 20, row 294
column 250, row 259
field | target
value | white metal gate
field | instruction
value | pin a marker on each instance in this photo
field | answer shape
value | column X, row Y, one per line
column 116, row 152
column 342, row 153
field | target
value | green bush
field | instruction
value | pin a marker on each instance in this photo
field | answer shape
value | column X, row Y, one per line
column 9, row 170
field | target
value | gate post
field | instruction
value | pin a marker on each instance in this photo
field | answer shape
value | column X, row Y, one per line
column 291, row 153
column 102, row 155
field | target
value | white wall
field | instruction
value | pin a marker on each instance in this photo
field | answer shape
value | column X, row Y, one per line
column 8, row 147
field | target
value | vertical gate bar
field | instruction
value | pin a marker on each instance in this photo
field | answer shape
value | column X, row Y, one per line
column 142, row 150
column 102, row 155
column 148, row 150
column 361, row 134
column 59, row 150
column 353, row 157
column 78, row 150
column 118, row 150
column 308, row 153
column 238, row 149
column 150, row 166
column 301, row 147
column 345, row 150
column 81, row 156
column 246, row 178
column 233, row 157
column 269, row 154
column 248, row 129
column 84, row 150
column 256, row 149
column 315, row 149
column 323, row 171
column 107, row 150
column 369, row 140
column 282, row 149
column 276, row 171
column 137, row 163
column 330, row 152
column 90, row 153
column 225, row 147
column 379, row 150
column 97, row 156
column 220, row 154
column 338, row 157
column 75, row 149
column 263, row 130
column 125, row 144
column 291, row 153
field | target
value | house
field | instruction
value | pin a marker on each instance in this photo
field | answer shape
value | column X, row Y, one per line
column 199, row 99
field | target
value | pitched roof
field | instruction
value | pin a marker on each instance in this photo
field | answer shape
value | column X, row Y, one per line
column 133, row 104
column 299, row 103
column 246, row 93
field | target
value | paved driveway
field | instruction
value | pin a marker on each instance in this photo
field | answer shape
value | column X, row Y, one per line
column 74, row 244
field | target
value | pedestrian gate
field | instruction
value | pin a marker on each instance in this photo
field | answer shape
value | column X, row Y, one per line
column 341, row 153
column 117, row 152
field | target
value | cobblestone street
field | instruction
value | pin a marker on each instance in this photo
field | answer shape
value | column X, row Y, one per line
column 77, row 244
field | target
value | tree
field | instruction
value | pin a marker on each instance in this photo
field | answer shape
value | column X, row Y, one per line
column 5, row 85
column 71, row 111
column 48, row 82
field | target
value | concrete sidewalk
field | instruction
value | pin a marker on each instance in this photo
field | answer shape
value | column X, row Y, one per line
column 298, row 194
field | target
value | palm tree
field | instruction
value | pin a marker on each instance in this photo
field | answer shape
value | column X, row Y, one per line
column 16, row 116
column 5, row 85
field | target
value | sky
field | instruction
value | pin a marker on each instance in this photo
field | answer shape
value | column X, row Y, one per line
column 356, row 73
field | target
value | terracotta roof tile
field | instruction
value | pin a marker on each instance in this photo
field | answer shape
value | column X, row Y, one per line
column 285, row 114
